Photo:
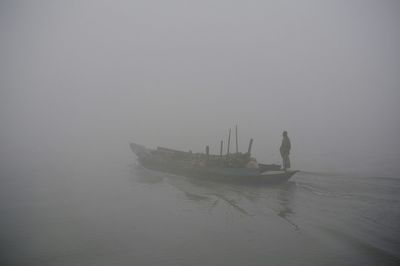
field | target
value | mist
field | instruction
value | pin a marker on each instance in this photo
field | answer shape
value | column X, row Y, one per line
column 88, row 77
column 80, row 80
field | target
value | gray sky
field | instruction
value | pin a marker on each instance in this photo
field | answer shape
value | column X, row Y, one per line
column 86, row 77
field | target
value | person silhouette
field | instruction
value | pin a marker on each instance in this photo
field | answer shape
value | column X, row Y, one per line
column 285, row 150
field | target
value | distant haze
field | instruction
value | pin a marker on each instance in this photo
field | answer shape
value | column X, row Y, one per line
column 79, row 80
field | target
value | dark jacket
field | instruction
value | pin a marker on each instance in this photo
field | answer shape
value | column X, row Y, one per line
column 285, row 146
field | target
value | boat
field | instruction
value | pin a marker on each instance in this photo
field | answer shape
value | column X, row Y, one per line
column 235, row 168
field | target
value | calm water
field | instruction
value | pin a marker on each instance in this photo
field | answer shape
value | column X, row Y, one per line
column 122, row 214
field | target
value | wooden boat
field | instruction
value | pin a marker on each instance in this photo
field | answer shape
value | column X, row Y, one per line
column 236, row 168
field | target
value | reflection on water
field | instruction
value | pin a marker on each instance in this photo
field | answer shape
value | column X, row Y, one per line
column 249, row 201
column 115, row 215
column 285, row 197
column 143, row 175
column 313, row 210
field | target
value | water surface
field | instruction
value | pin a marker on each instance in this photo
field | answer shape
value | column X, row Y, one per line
column 123, row 214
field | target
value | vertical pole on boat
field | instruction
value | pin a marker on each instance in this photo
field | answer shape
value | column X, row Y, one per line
column 220, row 150
column 236, row 140
column 250, row 144
column 208, row 152
column 229, row 141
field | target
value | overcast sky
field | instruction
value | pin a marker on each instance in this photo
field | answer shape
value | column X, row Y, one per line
column 82, row 77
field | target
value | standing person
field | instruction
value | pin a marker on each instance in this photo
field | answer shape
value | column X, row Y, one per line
column 285, row 150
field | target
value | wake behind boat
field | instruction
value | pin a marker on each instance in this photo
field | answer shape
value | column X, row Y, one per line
column 238, row 168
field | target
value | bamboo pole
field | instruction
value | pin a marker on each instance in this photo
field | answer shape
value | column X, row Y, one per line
column 250, row 144
column 229, row 142
column 236, row 139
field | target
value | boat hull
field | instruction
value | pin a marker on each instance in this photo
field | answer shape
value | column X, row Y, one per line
column 244, row 176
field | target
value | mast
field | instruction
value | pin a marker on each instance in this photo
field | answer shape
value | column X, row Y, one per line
column 229, row 142
column 236, row 139
column 250, row 144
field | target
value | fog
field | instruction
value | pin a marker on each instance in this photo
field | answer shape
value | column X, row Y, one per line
column 81, row 79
